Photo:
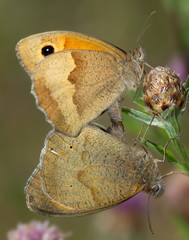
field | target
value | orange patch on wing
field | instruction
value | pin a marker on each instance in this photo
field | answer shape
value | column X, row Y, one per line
column 62, row 153
column 76, row 43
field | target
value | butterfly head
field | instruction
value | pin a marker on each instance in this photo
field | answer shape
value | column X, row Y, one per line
column 138, row 54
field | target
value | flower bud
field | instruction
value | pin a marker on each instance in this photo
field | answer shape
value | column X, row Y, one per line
column 162, row 89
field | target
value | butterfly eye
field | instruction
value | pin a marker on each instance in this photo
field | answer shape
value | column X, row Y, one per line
column 157, row 189
column 47, row 50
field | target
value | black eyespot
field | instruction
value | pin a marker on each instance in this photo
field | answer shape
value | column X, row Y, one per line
column 71, row 146
column 47, row 50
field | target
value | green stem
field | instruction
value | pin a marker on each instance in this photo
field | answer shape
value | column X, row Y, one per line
column 173, row 130
column 181, row 152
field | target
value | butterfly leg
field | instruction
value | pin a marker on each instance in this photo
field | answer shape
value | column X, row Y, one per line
column 115, row 113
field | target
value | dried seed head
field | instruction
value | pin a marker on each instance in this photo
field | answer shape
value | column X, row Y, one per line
column 162, row 89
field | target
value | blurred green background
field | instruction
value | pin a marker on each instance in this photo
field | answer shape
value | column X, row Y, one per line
column 23, row 127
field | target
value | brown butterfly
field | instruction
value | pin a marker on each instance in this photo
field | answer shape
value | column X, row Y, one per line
column 89, row 173
column 75, row 78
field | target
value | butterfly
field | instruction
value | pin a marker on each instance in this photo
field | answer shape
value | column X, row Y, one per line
column 75, row 78
column 89, row 173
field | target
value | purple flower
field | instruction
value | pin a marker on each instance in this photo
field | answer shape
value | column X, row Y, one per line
column 178, row 64
column 36, row 231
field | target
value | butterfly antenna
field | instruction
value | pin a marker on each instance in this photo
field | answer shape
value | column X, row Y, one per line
column 149, row 220
column 145, row 27
column 168, row 174
column 172, row 172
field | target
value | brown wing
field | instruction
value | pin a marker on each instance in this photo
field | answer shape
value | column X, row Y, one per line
column 94, row 175
column 73, row 87
column 38, row 201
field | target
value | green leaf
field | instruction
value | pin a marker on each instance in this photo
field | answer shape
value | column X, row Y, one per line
column 160, row 150
column 146, row 118
column 170, row 157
